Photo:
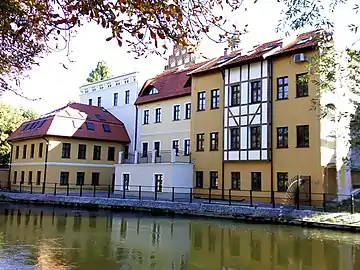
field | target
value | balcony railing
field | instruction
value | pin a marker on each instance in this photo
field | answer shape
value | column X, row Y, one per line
column 164, row 156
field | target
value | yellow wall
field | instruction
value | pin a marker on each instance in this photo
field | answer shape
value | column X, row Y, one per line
column 290, row 113
column 210, row 120
column 168, row 129
column 57, row 164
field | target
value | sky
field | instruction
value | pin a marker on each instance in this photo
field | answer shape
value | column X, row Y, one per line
column 55, row 86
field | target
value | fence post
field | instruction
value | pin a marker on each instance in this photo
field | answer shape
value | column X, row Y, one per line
column 324, row 202
column 352, row 204
column 191, row 194
column 210, row 195
column 109, row 191
column 229, row 196
column 94, row 191
column 31, row 188
column 251, row 198
column 155, row 192
column 20, row 187
column 173, row 194
column 297, row 195
column 67, row 189
column 43, row 188
column 139, row 193
column 55, row 189
column 273, row 199
column 123, row 195
column 81, row 189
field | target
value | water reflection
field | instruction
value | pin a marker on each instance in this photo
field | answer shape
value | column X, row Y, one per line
column 56, row 239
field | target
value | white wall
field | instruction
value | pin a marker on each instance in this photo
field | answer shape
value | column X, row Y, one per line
column 174, row 175
column 106, row 89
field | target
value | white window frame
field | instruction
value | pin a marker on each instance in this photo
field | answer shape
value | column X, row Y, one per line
column 184, row 145
column 173, row 111
column 185, row 110
column 143, row 117
column 161, row 115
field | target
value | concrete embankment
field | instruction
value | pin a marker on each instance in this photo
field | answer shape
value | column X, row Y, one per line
column 289, row 216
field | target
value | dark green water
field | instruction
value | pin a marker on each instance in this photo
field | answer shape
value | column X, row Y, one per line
column 57, row 239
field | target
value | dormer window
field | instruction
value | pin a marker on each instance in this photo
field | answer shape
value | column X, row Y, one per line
column 151, row 91
column 304, row 40
column 89, row 125
column 106, row 127
column 270, row 47
column 100, row 117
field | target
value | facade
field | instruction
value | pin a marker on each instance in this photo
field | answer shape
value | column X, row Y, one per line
column 117, row 95
column 269, row 133
column 75, row 145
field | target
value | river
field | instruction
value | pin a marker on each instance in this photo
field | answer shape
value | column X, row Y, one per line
column 48, row 238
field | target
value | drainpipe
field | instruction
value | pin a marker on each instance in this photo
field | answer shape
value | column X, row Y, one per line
column 46, row 157
column 136, row 126
column 11, row 151
column 270, row 94
column 222, row 152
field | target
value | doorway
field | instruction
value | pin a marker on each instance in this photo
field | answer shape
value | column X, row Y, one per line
column 158, row 182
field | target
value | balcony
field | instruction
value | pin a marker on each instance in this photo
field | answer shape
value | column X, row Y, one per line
column 166, row 156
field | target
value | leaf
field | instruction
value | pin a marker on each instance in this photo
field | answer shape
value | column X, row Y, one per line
column 109, row 38
column 152, row 34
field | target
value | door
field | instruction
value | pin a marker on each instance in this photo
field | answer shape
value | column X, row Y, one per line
column 126, row 181
column 157, row 148
column 158, row 182
column 145, row 149
column 175, row 145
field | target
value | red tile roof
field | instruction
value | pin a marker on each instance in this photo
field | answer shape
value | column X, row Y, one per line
column 170, row 84
column 71, row 121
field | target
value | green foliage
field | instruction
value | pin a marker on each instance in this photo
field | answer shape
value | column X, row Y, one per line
column 10, row 119
column 101, row 72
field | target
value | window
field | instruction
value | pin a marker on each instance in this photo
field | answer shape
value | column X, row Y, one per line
column 99, row 101
column 116, row 99
column 111, row 153
column 15, row 177
column 255, row 92
column 95, row 176
column 214, row 141
column 175, row 145
column 90, row 101
column 100, row 117
column 82, row 151
column 146, row 117
column 282, row 88
column 22, row 177
column 17, row 150
column 235, row 95
column 187, row 110
column 64, row 178
column 256, row 181
column 282, row 137
column 80, row 178
column 89, row 125
column 199, row 179
column 126, row 181
column 255, row 134
column 215, row 99
column 186, row 147
column 157, row 115
column 126, row 151
column 235, row 180
column 200, row 142
column 302, row 85
column 106, row 127
column 66, row 149
column 282, row 181
column 153, row 91
column 176, row 112
column 214, row 180
column 24, row 151
column 32, row 150
column 97, row 152
column 157, row 148
column 41, row 147
column 145, row 147
column 30, row 175
column 127, row 96
column 302, row 136
column 38, row 177
column 201, row 101
column 234, row 138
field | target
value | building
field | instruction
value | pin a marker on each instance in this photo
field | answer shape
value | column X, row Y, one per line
column 75, row 145
column 254, row 128
column 117, row 95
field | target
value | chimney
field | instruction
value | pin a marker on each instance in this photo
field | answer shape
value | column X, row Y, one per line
column 225, row 52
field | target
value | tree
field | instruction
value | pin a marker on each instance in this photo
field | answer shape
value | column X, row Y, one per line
column 10, row 119
column 32, row 29
column 101, row 72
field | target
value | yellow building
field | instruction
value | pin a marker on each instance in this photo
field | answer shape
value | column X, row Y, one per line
column 75, row 145
column 265, row 128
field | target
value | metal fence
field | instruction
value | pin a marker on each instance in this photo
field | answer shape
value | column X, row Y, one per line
column 251, row 198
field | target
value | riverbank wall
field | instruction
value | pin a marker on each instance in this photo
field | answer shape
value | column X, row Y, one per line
column 284, row 215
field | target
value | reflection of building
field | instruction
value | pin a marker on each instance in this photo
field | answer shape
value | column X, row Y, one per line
column 117, row 95
column 76, row 144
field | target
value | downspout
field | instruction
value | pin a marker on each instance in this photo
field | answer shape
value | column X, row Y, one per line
column 222, row 152
column 46, row 157
column 136, row 126
column 11, row 153
column 270, row 94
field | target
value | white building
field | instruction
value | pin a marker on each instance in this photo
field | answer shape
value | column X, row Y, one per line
column 117, row 95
